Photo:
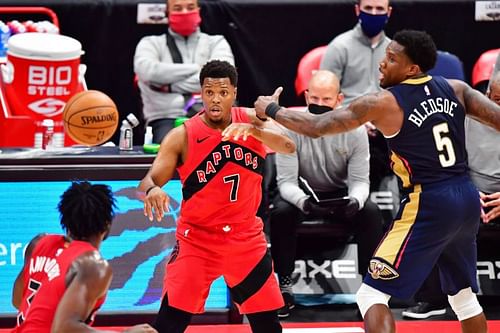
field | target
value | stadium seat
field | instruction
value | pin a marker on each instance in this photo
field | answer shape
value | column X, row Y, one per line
column 307, row 64
column 483, row 68
column 449, row 66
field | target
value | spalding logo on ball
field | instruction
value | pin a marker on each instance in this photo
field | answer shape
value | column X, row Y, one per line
column 90, row 117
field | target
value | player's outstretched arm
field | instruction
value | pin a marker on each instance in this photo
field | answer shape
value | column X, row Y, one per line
column 360, row 111
column 268, row 132
column 477, row 105
column 162, row 170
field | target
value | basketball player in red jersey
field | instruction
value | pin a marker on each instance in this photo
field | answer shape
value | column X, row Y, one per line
column 64, row 279
column 218, row 233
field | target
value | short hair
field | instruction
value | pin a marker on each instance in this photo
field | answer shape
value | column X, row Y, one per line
column 219, row 69
column 419, row 47
column 86, row 210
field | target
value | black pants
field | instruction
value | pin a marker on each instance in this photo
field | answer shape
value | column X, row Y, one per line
column 172, row 320
column 366, row 226
column 161, row 127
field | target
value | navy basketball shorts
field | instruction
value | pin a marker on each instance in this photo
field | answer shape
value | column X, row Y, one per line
column 436, row 224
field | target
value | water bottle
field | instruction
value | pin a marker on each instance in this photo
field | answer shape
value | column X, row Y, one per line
column 148, row 136
column 126, row 136
column 48, row 134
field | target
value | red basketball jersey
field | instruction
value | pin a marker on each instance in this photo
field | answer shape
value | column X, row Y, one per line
column 221, row 180
column 44, row 282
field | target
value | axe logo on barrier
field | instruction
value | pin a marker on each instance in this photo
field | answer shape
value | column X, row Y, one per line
column 490, row 269
column 335, row 271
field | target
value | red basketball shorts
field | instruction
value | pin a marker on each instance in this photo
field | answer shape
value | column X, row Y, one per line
column 239, row 253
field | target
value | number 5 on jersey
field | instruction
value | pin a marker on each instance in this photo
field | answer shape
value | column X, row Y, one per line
column 444, row 145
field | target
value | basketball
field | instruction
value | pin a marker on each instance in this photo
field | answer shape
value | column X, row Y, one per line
column 90, row 117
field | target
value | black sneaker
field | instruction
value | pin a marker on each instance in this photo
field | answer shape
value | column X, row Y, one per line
column 289, row 300
column 424, row 310
column 284, row 312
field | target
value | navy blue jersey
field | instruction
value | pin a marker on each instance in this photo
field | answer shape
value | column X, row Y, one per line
column 430, row 146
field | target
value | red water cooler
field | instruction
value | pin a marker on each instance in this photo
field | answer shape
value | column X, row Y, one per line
column 41, row 73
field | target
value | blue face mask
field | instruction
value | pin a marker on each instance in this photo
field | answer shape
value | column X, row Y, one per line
column 371, row 24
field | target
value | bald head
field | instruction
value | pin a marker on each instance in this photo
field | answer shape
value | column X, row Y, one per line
column 323, row 89
column 494, row 90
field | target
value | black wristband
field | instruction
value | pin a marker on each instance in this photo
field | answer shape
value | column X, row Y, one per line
column 272, row 109
column 149, row 189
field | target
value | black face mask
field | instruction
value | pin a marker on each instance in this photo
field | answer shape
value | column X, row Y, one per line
column 319, row 109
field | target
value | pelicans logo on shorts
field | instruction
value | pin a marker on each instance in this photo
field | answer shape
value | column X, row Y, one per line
column 382, row 270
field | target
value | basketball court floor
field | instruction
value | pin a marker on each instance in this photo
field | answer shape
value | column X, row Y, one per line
column 332, row 327
column 353, row 327
column 345, row 319
column 337, row 327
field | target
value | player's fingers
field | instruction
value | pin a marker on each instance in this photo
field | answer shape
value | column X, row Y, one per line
column 226, row 132
column 148, row 210
column 158, row 209
column 236, row 134
column 230, row 131
column 277, row 93
column 166, row 204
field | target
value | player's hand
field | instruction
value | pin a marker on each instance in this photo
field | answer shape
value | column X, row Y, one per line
column 237, row 130
column 156, row 204
column 263, row 101
column 142, row 328
column 490, row 206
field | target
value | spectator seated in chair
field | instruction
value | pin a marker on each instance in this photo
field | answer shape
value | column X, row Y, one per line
column 332, row 166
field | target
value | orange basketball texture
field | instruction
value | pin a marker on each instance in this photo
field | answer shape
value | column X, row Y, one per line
column 90, row 117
